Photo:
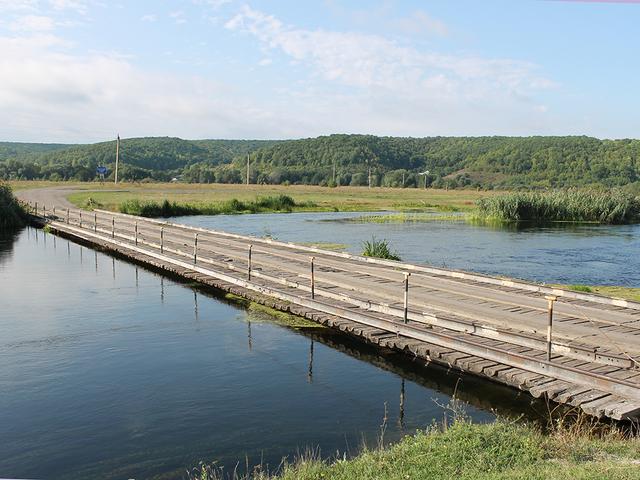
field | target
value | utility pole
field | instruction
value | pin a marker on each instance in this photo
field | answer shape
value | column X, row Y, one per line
column 247, row 169
column 117, row 157
column 334, row 172
column 369, row 176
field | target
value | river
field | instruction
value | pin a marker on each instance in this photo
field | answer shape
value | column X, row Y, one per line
column 112, row 371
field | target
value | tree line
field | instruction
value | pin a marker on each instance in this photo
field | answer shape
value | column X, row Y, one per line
column 451, row 162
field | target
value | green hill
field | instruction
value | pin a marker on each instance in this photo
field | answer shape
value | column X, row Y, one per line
column 486, row 162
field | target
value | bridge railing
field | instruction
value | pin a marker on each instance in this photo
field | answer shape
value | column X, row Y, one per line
column 201, row 248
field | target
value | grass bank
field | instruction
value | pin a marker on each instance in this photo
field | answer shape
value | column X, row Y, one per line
column 605, row 207
column 501, row 450
column 12, row 215
column 166, row 208
column 344, row 199
column 627, row 293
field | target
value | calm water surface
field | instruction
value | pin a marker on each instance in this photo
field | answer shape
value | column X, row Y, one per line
column 111, row 371
column 577, row 254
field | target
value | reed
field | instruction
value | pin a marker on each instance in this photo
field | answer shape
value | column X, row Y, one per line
column 12, row 213
column 150, row 208
column 605, row 207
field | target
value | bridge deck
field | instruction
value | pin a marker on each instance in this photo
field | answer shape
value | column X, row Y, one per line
column 483, row 325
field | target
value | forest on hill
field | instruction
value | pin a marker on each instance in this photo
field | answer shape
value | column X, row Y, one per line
column 452, row 162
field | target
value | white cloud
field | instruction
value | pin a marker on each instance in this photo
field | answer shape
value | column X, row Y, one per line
column 350, row 82
column 32, row 23
column 18, row 5
column 265, row 62
column 149, row 17
column 47, row 93
column 373, row 61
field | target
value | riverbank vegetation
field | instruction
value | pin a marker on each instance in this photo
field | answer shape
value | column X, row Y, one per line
column 343, row 199
column 342, row 160
column 626, row 293
column 12, row 214
column 598, row 206
column 150, row 208
column 467, row 451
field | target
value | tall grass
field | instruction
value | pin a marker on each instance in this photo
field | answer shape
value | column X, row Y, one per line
column 606, row 207
column 12, row 214
column 464, row 450
column 378, row 249
column 277, row 203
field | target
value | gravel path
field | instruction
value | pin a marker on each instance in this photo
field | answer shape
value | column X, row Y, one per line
column 50, row 196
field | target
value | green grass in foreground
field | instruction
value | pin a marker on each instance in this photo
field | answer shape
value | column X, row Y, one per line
column 466, row 451
column 606, row 207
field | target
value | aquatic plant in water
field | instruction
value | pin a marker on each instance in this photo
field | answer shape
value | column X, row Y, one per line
column 378, row 249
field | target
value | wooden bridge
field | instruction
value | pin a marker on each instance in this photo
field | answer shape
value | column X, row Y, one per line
column 571, row 347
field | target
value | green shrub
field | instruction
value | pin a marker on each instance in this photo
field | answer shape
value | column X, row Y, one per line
column 279, row 203
column 12, row 214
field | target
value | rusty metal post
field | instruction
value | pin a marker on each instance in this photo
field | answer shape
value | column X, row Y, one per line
column 113, row 227
column 550, row 299
column 313, row 278
column 161, row 239
column 80, row 218
column 44, row 212
column 249, row 262
column 406, row 296
column 95, row 222
column 136, row 232
column 195, row 248
column 68, row 221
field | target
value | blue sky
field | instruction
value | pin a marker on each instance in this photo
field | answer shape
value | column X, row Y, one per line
column 84, row 70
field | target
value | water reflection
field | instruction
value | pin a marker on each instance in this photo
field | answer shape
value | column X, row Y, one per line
column 7, row 240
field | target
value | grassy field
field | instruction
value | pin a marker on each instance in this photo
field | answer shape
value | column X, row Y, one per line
column 324, row 198
column 467, row 451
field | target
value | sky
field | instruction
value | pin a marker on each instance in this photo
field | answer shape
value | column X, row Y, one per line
column 80, row 71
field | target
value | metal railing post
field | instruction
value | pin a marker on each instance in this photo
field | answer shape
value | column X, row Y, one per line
column 68, row 221
column 80, row 218
column 406, row 296
column 44, row 212
column 113, row 227
column 36, row 208
column 550, row 299
column 54, row 213
column 195, row 249
column 136, row 233
column 249, row 262
column 95, row 222
column 313, row 278
column 161, row 239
